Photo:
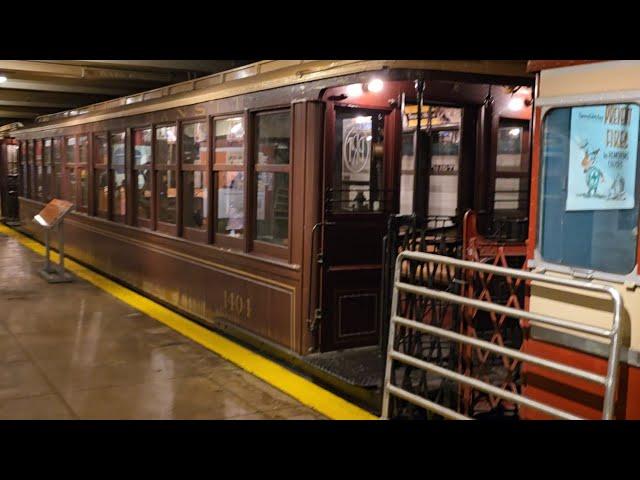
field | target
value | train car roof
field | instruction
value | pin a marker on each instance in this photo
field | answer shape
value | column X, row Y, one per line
column 259, row 76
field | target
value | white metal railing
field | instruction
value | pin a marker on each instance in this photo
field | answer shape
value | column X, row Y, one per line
column 609, row 380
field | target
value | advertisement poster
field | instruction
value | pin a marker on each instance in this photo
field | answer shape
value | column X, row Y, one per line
column 602, row 157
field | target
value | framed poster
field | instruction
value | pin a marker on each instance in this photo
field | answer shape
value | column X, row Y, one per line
column 603, row 153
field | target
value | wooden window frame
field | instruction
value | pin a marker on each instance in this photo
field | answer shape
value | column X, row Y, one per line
column 158, row 225
column 40, row 178
column 31, row 168
column 103, row 168
column 221, row 239
column 190, row 233
column 507, row 122
column 57, row 167
column 254, row 245
column 136, row 221
column 111, row 178
column 68, row 164
column 48, row 176
column 25, row 182
column 79, row 167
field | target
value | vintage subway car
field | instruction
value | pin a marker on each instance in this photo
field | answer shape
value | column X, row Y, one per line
column 256, row 200
column 584, row 225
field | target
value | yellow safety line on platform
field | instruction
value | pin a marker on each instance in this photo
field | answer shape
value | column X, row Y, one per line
column 303, row 390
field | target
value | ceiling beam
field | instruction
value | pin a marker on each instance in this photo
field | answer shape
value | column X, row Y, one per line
column 49, row 69
column 24, row 112
column 31, row 98
column 208, row 66
column 57, row 85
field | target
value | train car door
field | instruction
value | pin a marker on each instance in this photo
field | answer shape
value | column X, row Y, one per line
column 357, row 201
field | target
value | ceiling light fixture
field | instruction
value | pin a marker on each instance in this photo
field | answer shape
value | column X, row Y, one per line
column 516, row 103
column 376, row 85
column 354, row 90
column 3, row 78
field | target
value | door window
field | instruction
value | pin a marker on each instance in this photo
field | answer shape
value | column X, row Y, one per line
column 359, row 158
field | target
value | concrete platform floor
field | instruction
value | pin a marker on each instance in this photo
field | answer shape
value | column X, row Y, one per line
column 72, row 351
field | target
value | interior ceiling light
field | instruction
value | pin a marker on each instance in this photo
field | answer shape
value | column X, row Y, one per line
column 516, row 103
column 354, row 90
column 3, row 78
column 375, row 85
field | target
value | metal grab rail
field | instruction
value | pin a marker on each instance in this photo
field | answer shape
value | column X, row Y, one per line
column 609, row 380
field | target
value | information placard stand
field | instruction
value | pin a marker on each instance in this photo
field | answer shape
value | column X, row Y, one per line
column 52, row 217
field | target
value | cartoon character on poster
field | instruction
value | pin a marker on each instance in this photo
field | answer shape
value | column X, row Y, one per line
column 593, row 175
column 602, row 157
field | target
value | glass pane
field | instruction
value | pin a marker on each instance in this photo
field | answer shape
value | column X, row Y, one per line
column 272, row 208
column 230, row 203
column 358, row 162
column 70, row 150
column 47, row 182
column 512, row 194
column 32, row 171
column 57, row 151
column 195, row 193
column 272, row 132
column 167, row 196
column 142, row 147
column 119, row 193
column 71, row 185
column 12, row 160
column 117, row 149
column 143, row 193
column 47, row 152
column 510, row 157
column 102, row 192
column 599, row 239
column 83, row 149
column 194, row 144
column 82, row 178
column 443, row 176
column 229, row 141
column 101, row 149
column 406, row 174
column 166, row 145
column 39, row 183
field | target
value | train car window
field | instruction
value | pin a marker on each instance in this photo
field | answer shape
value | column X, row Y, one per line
column 118, row 175
column 407, row 173
column 511, row 189
column 12, row 160
column 358, row 175
column 195, row 178
column 24, row 170
column 166, row 173
column 57, row 167
column 228, row 166
column 142, row 175
column 81, row 172
column 271, row 157
column 101, row 175
column 48, row 170
column 33, row 185
column 589, row 194
column 69, row 174
column 445, row 165
column 39, row 167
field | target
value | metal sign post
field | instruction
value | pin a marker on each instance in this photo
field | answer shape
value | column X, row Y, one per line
column 50, row 217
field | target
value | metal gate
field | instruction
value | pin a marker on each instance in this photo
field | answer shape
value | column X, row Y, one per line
column 464, row 305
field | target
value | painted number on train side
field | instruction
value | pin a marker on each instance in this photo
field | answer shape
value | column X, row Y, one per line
column 237, row 305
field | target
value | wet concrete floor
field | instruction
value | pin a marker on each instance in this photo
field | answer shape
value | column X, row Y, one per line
column 72, row 351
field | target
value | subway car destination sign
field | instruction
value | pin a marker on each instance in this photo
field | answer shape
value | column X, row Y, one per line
column 53, row 212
